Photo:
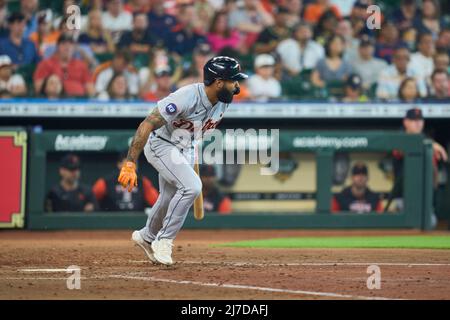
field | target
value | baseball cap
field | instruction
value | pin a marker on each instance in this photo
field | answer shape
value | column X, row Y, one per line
column 162, row 71
column 16, row 16
column 207, row 170
column 354, row 81
column 263, row 60
column 70, row 161
column 359, row 168
column 414, row 114
column 5, row 60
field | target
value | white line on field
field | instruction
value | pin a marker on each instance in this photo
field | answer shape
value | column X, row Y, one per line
column 45, row 270
column 306, row 264
column 245, row 287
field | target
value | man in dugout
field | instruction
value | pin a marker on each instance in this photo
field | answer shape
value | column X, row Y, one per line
column 357, row 198
column 69, row 194
column 213, row 199
column 113, row 197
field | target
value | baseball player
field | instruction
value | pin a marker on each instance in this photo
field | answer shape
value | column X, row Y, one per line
column 168, row 136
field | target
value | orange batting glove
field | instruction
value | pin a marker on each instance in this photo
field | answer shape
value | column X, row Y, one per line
column 127, row 176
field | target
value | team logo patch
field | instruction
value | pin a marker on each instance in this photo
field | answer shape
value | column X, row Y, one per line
column 171, row 108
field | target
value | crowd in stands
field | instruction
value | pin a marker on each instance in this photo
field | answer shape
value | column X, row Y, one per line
column 130, row 50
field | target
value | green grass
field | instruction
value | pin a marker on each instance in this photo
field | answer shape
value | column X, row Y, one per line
column 406, row 242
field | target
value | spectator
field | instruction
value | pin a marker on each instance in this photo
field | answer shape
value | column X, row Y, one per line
column 314, row 11
column 163, row 85
column 69, row 194
column 220, row 35
column 160, row 21
column 112, row 197
column 332, row 67
column 440, row 86
column 77, row 80
column 300, row 52
column 184, row 37
column 52, row 88
column 344, row 29
column 422, row 61
column 295, row 8
column 390, row 77
column 13, row 83
column 19, row 49
column 117, row 89
column 387, row 41
column 137, row 6
column 119, row 64
column 213, row 199
column 116, row 20
column 443, row 42
column 353, row 91
column 358, row 197
column 366, row 65
column 194, row 74
column 409, row 38
column 408, row 92
column 271, row 36
column 44, row 37
column 29, row 10
column 96, row 36
column 326, row 27
column 405, row 16
column 250, row 21
column 139, row 40
column 429, row 21
column 3, row 17
column 263, row 86
column 441, row 61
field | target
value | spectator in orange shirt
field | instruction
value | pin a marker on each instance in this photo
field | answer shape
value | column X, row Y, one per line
column 44, row 36
column 314, row 11
column 213, row 199
column 113, row 197
column 76, row 77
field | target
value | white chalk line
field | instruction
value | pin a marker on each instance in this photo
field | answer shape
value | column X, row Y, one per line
column 46, row 270
column 245, row 287
column 305, row 264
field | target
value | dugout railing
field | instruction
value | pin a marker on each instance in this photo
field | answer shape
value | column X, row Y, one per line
column 417, row 182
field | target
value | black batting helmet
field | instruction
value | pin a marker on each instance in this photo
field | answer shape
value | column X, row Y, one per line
column 222, row 67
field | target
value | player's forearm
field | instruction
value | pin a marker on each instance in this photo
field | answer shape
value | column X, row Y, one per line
column 139, row 140
column 152, row 122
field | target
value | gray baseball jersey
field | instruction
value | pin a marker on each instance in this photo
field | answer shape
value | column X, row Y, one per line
column 189, row 115
column 188, row 109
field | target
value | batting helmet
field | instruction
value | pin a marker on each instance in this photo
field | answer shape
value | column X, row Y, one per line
column 222, row 67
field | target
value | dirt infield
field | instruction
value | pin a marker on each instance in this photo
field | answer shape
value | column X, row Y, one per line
column 32, row 266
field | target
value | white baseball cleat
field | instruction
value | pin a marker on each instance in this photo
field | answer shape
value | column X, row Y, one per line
column 162, row 251
column 138, row 240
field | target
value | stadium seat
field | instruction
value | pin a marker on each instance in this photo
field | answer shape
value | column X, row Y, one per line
column 336, row 89
column 103, row 57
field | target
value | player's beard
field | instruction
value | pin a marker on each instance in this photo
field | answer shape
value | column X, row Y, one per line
column 225, row 96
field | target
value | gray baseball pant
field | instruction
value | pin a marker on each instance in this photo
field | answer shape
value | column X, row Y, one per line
column 179, row 186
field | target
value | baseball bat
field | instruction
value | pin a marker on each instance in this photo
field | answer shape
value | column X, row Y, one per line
column 198, row 203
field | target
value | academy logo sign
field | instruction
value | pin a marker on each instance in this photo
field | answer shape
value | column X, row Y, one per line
column 80, row 142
